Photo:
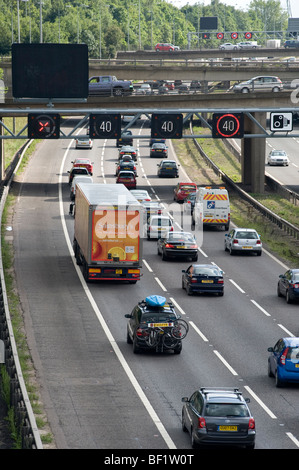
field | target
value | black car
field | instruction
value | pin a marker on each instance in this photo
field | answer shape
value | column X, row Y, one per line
column 125, row 139
column 147, row 314
column 153, row 140
column 126, row 166
column 178, row 245
column 168, row 168
column 288, row 285
column 203, row 278
column 127, row 150
column 159, row 150
column 195, row 85
column 183, row 88
column 218, row 416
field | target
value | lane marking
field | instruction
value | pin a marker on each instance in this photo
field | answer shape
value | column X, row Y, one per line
column 260, row 402
column 198, row 331
column 284, row 329
column 260, row 308
column 160, row 284
column 225, row 362
column 293, row 438
column 177, row 305
column 237, row 286
column 153, row 415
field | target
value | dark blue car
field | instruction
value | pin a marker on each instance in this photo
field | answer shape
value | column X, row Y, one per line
column 283, row 362
column 203, row 278
column 288, row 285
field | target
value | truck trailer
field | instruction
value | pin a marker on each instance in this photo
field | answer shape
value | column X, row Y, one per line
column 108, row 231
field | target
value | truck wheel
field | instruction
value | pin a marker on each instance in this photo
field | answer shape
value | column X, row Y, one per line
column 118, row 92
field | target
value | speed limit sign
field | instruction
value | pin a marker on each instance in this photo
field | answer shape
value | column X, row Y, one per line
column 228, row 125
column 167, row 126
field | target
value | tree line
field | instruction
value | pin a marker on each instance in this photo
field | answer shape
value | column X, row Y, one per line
column 128, row 24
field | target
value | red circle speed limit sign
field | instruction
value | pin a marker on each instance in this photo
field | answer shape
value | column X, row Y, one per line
column 234, row 35
column 220, row 35
column 228, row 125
column 248, row 35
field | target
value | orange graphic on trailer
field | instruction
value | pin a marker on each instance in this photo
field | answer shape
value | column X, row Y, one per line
column 115, row 235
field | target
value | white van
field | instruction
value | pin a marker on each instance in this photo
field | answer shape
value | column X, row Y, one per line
column 212, row 207
column 76, row 180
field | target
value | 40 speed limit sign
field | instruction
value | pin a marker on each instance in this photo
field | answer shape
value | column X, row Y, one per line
column 228, row 125
column 167, row 126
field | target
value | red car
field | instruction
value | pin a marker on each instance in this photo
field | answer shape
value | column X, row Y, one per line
column 166, row 47
column 127, row 178
column 84, row 162
column 182, row 191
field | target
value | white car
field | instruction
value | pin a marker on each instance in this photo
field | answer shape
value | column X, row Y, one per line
column 243, row 239
column 228, row 46
column 159, row 226
column 278, row 157
column 141, row 195
column 247, row 45
column 83, row 142
column 144, row 89
column 76, row 180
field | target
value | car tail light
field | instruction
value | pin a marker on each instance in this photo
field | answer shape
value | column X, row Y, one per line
column 284, row 356
column 295, row 286
column 139, row 332
column 193, row 246
column 236, row 241
column 169, row 245
column 193, row 280
column 251, row 424
column 159, row 211
column 258, row 242
column 201, row 423
column 220, row 281
column 171, row 229
column 147, row 199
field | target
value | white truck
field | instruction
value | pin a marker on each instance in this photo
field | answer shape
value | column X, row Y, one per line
column 212, row 207
column 108, row 232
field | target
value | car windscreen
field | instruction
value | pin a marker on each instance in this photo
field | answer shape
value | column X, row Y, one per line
column 235, row 410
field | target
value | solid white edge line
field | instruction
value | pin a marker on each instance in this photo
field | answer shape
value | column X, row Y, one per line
column 260, row 308
column 110, row 338
column 260, row 402
column 225, row 362
column 198, row 331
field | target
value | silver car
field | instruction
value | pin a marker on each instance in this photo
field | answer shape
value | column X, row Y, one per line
column 259, row 84
column 243, row 239
column 278, row 157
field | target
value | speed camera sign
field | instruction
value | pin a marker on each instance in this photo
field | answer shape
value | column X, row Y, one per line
column 281, row 122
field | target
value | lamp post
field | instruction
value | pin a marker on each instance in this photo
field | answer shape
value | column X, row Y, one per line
column 84, row 6
column 139, row 12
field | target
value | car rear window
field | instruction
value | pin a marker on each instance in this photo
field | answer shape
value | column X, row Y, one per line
column 187, row 186
column 243, row 235
column 81, row 171
column 226, row 410
column 161, row 222
column 158, row 317
column 169, row 164
column 207, row 271
column 293, row 353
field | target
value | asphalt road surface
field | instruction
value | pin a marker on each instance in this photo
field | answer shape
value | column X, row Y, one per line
column 96, row 392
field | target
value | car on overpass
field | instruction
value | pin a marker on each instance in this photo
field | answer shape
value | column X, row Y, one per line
column 261, row 83
column 291, row 44
column 166, row 47
column 228, row 46
column 248, row 45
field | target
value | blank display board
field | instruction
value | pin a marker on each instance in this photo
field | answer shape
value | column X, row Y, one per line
column 50, row 71
column 208, row 22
